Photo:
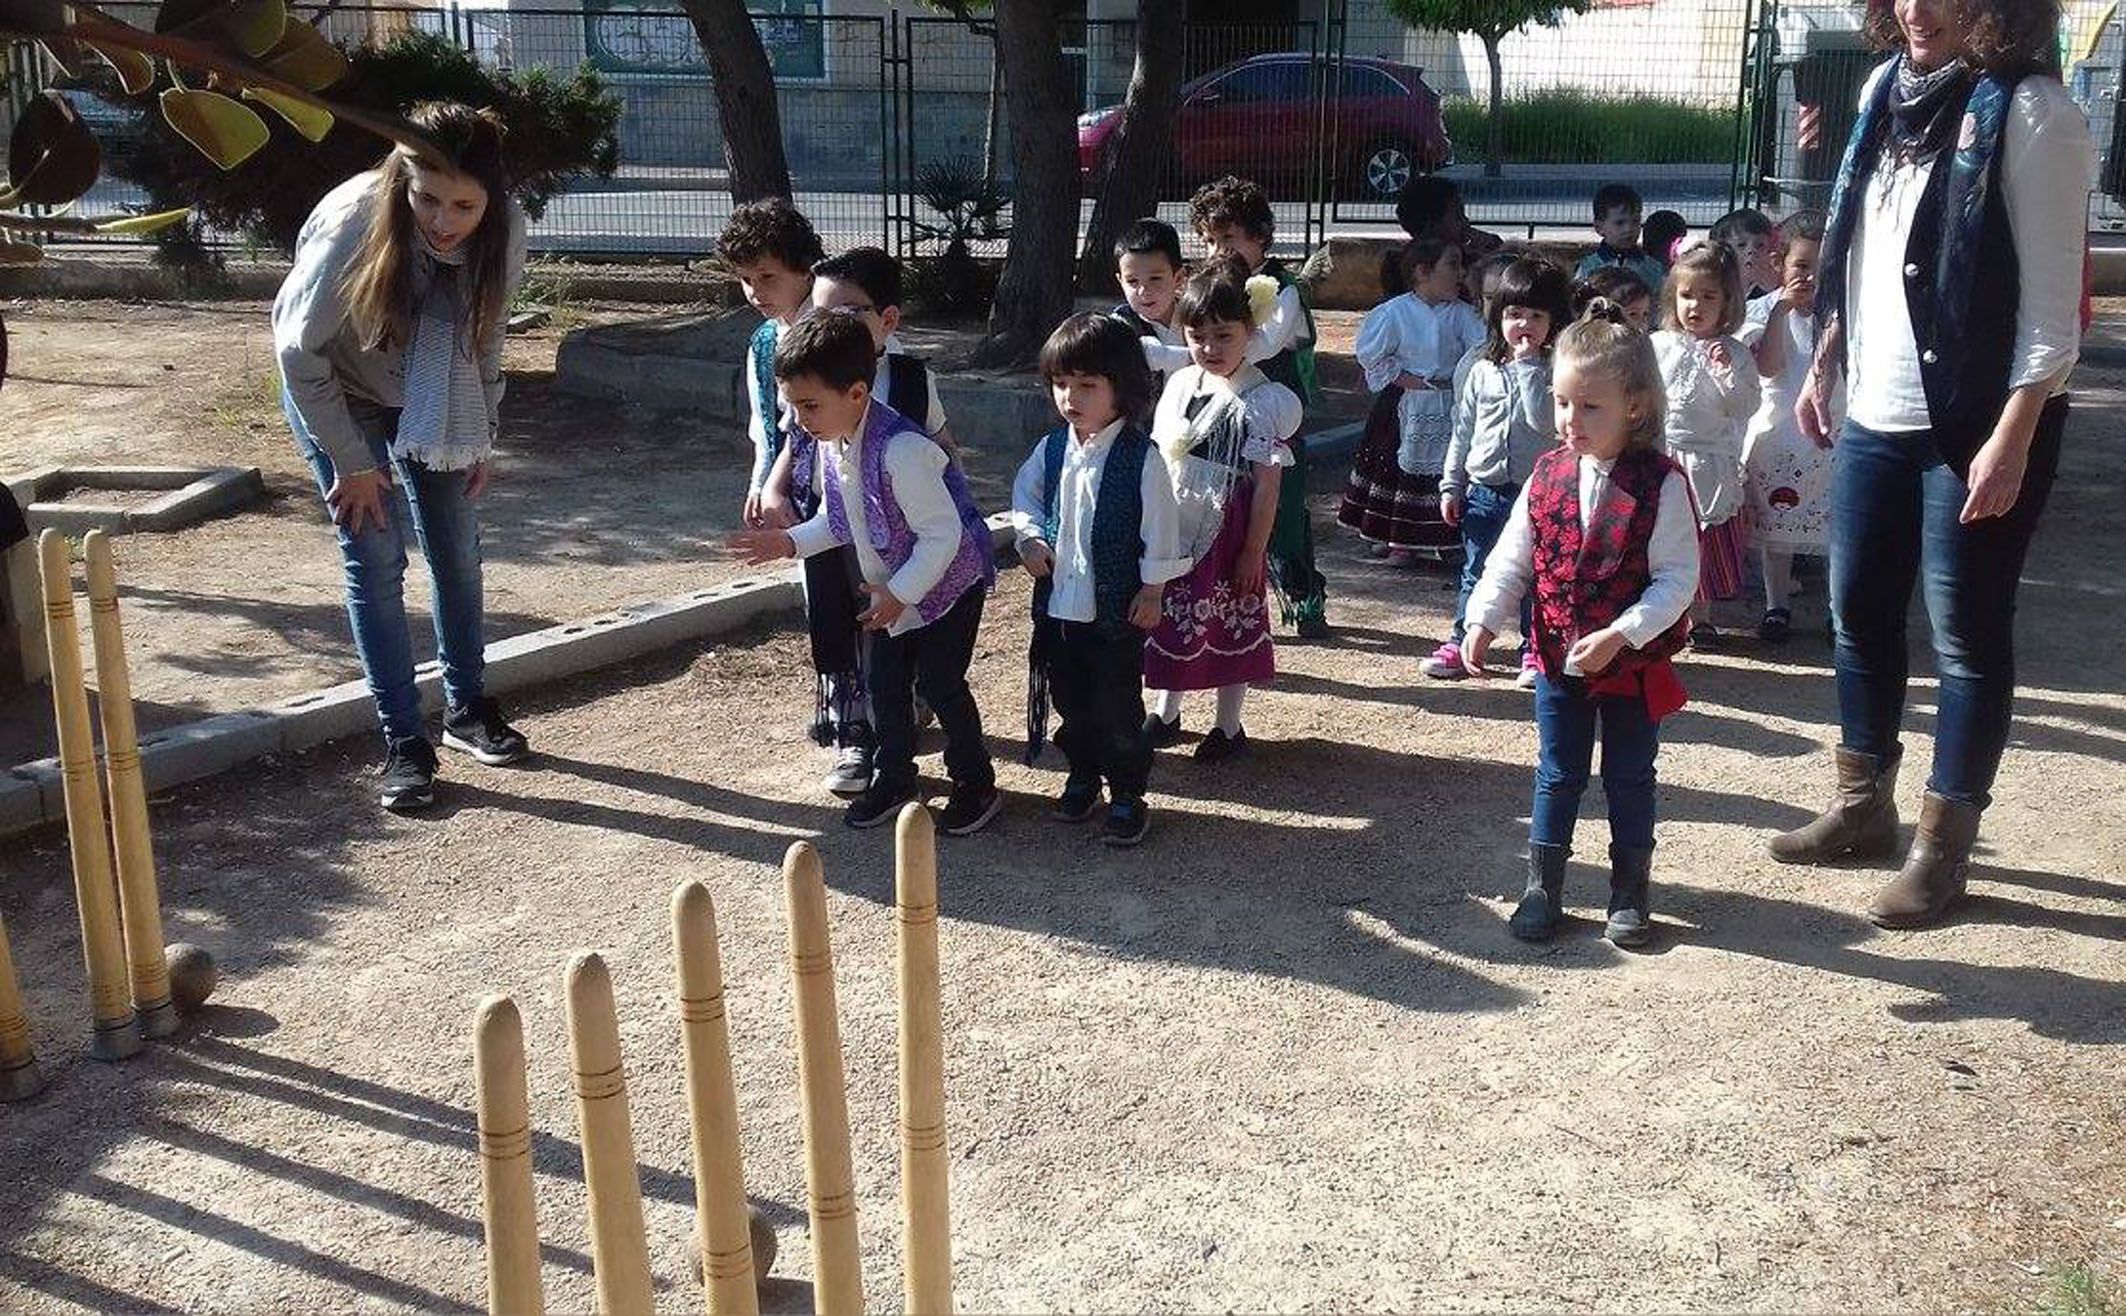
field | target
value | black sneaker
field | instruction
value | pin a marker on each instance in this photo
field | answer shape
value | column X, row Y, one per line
column 1218, row 745
column 1314, row 628
column 409, row 776
column 1081, row 795
column 1127, row 822
column 1778, row 623
column 1703, row 638
column 478, row 729
column 877, row 804
column 969, row 809
column 1160, row 733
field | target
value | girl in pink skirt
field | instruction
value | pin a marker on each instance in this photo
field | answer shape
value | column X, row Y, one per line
column 1222, row 426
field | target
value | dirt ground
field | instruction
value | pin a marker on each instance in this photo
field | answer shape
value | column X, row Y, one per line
column 1283, row 1058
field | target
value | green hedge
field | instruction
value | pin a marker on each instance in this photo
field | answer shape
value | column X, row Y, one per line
column 1577, row 127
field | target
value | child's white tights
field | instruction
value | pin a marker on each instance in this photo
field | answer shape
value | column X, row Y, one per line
column 1230, row 700
column 1778, row 578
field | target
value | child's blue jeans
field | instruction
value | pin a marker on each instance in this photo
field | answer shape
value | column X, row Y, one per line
column 447, row 526
column 1566, row 724
column 1485, row 510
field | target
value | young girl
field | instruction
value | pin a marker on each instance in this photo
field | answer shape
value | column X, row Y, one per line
column 1712, row 391
column 389, row 335
column 1410, row 346
column 1502, row 423
column 1787, row 477
column 1093, row 512
column 1223, row 426
column 1621, row 286
column 1604, row 536
column 1754, row 239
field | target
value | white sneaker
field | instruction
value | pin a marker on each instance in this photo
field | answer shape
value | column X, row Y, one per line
column 852, row 772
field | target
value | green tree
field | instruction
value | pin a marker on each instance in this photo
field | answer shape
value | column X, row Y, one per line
column 1489, row 21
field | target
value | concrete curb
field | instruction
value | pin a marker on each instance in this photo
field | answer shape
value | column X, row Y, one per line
column 32, row 794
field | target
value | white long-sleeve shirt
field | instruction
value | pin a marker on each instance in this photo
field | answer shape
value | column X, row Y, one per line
column 770, row 412
column 1071, row 596
column 1166, row 347
column 915, row 481
column 2047, row 168
column 1709, row 411
column 1671, row 557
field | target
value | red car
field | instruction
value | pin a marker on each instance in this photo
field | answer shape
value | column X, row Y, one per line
column 1258, row 118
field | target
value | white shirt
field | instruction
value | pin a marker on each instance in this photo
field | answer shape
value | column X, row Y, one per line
column 780, row 415
column 1671, row 557
column 915, row 482
column 1409, row 335
column 1071, row 596
column 1166, row 348
column 2047, row 168
column 1708, row 416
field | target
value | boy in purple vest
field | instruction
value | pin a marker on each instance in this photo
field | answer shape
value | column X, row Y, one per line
column 891, row 491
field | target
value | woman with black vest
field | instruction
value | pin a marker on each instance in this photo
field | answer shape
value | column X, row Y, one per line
column 1949, row 299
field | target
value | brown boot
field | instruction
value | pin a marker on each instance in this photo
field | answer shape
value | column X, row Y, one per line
column 1860, row 824
column 1932, row 882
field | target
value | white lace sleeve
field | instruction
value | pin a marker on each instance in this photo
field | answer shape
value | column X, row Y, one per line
column 1272, row 415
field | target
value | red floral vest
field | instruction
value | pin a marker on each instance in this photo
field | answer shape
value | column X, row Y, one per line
column 1585, row 577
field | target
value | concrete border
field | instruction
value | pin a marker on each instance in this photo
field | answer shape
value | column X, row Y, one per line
column 31, row 794
column 194, row 493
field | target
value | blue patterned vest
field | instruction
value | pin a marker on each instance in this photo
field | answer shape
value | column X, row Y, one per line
column 1118, row 521
column 1962, row 280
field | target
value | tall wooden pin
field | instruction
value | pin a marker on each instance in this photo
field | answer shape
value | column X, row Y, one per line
column 926, row 1213
column 139, row 904
column 620, row 1253
column 20, row 1079
column 830, row 1180
column 720, row 1218
column 115, row 1034
column 506, row 1200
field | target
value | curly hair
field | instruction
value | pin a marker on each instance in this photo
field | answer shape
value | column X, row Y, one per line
column 2001, row 36
column 774, row 229
column 1235, row 201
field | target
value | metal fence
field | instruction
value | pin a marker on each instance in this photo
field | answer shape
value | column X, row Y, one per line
column 1699, row 104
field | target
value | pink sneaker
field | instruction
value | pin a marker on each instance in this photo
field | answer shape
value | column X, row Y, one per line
column 1445, row 664
column 1526, row 680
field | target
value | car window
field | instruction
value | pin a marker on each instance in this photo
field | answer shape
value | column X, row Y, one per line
column 1359, row 81
column 1261, row 82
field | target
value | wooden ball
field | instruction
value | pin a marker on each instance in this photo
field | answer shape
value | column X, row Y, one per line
column 193, row 975
column 762, row 1238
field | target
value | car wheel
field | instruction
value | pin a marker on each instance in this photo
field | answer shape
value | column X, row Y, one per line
column 1385, row 169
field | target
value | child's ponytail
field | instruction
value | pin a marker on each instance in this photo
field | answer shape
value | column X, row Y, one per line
column 1603, row 343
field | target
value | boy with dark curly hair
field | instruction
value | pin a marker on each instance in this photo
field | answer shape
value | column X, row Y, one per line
column 772, row 248
column 1233, row 217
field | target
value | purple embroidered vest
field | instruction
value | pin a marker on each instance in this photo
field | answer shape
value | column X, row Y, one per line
column 887, row 529
column 1586, row 576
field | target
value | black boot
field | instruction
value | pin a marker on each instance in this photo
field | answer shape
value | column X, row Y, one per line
column 1630, row 875
column 1861, row 822
column 1542, row 905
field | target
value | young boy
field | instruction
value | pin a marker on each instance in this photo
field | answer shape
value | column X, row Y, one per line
column 771, row 247
column 1617, row 209
column 1094, row 515
column 1232, row 216
column 893, row 493
column 1149, row 267
column 1754, row 239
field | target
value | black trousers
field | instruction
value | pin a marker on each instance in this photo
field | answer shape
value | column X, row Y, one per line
column 1096, row 683
column 932, row 659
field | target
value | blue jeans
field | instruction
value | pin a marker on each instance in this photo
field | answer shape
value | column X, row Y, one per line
column 1894, row 508
column 1566, row 722
column 1485, row 510
column 447, row 527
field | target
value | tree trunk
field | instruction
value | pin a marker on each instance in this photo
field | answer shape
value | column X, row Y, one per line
column 1494, row 124
column 994, row 122
column 744, row 83
column 1033, row 293
column 1142, row 145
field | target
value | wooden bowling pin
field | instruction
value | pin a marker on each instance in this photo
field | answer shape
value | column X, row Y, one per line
column 115, row 1033
column 620, row 1253
column 506, row 1201
column 20, row 1078
column 830, row 1181
column 139, row 903
column 725, row 1234
column 926, row 1215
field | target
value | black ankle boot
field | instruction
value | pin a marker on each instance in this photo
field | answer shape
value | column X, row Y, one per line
column 1630, row 897
column 1542, row 904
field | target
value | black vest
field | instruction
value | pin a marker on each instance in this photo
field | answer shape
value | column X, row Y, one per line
column 1118, row 521
column 908, row 389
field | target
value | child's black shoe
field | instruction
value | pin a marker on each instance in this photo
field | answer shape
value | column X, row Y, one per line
column 1630, row 899
column 1219, row 746
column 1081, row 795
column 1778, row 623
column 1160, row 733
column 1127, row 822
column 1542, row 905
column 877, row 804
column 969, row 809
column 1313, row 628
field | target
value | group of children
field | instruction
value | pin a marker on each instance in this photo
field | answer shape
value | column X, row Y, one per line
column 1593, row 471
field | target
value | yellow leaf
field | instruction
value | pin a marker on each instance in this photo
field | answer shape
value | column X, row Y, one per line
column 305, row 58
column 256, row 26
column 135, row 225
column 302, row 116
column 19, row 253
column 136, row 72
column 225, row 131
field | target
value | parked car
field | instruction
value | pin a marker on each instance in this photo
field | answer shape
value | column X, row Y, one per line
column 1259, row 118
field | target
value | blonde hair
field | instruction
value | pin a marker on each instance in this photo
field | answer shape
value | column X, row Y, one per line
column 1603, row 343
column 378, row 284
column 1716, row 260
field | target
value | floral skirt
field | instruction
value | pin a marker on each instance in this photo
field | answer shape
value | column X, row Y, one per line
column 1383, row 502
column 1209, row 633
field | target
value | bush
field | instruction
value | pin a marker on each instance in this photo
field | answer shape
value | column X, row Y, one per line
column 1578, row 127
column 559, row 127
column 970, row 208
